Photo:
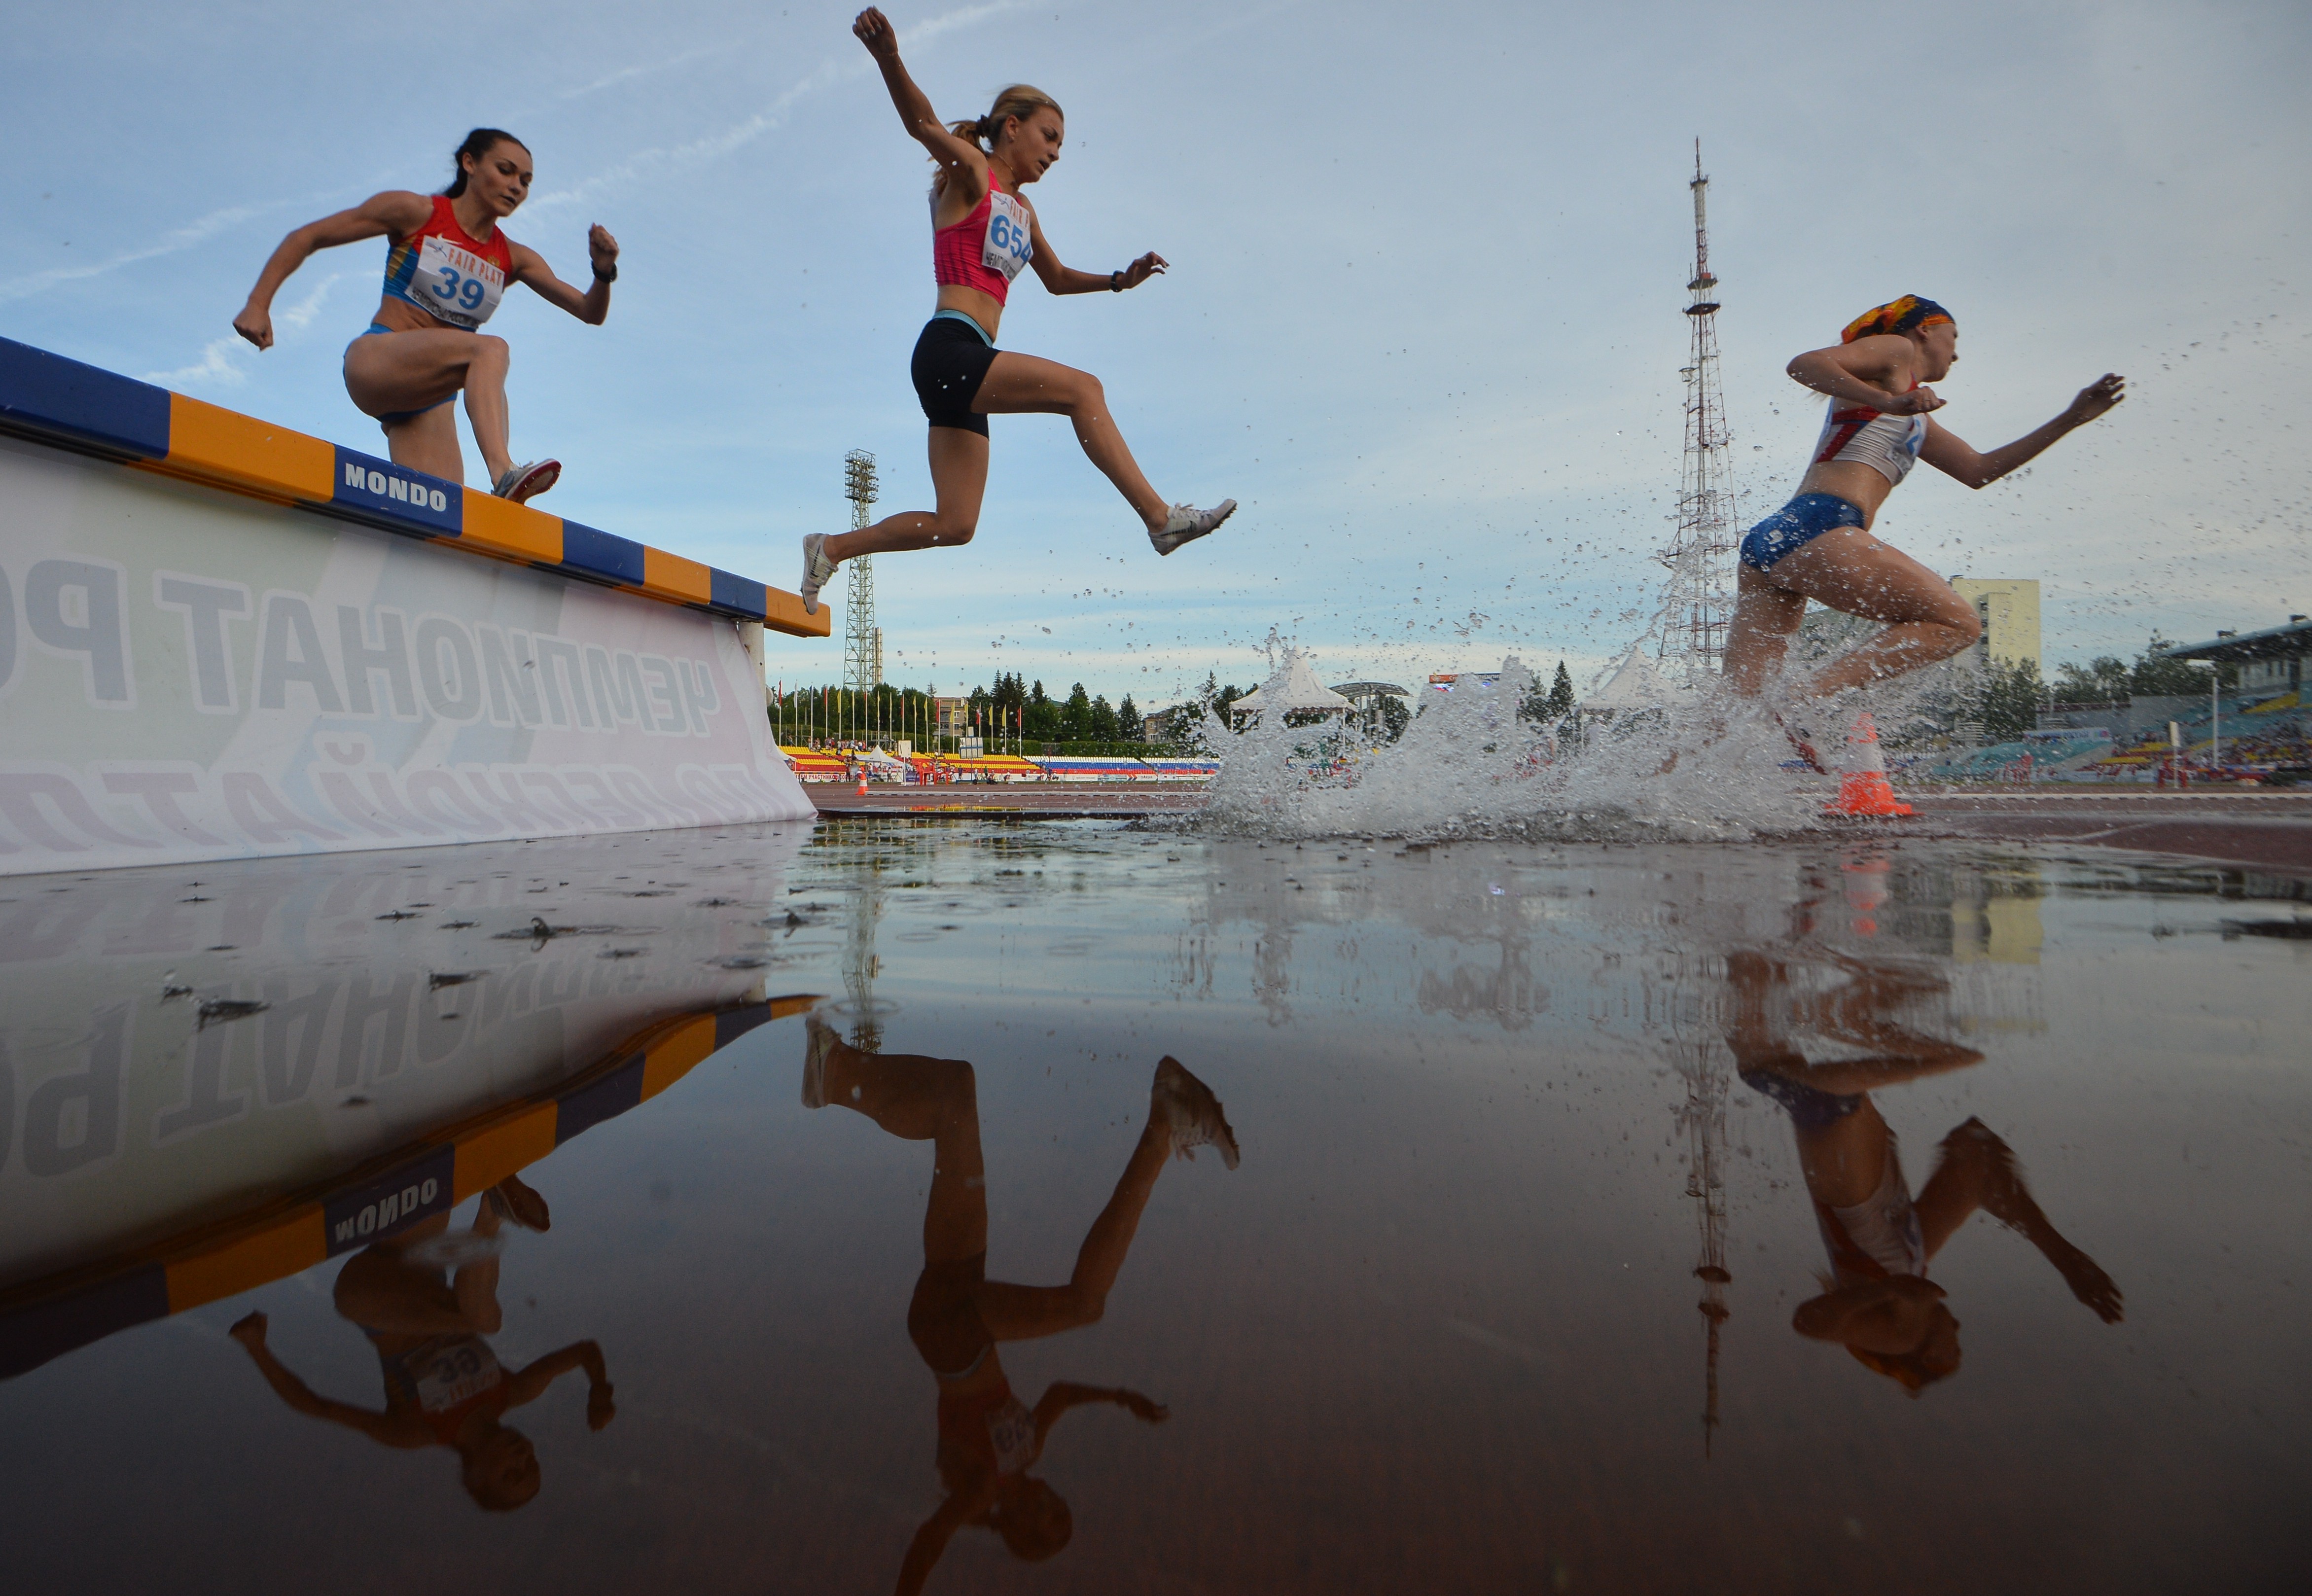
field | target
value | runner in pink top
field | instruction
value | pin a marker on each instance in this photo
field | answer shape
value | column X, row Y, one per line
column 983, row 231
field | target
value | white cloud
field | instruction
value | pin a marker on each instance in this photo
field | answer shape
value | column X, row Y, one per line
column 168, row 243
column 217, row 366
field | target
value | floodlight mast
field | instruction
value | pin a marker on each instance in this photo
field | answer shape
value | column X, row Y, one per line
column 863, row 640
column 1691, row 642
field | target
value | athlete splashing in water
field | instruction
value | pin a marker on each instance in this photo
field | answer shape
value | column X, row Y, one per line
column 983, row 231
column 447, row 265
column 1819, row 546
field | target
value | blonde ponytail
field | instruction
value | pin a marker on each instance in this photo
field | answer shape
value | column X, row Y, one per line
column 1021, row 100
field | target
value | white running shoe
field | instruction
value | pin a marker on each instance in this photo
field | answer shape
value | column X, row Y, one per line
column 1187, row 1106
column 523, row 483
column 817, row 571
column 1187, row 524
column 820, row 1039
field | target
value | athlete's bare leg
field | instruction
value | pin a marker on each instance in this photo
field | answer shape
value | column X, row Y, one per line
column 392, row 372
column 1978, row 1170
column 960, row 482
column 1018, row 384
column 1851, row 571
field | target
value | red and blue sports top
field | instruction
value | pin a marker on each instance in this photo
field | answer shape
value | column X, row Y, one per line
column 446, row 272
column 987, row 247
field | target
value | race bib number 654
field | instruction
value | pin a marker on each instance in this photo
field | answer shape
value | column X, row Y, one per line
column 1008, row 245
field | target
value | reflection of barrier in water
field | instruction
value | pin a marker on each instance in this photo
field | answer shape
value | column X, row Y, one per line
column 372, row 1202
column 178, row 1050
column 238, row 641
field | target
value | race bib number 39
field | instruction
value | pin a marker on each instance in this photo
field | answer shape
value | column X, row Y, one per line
column 1007, row 248
column 456, row 285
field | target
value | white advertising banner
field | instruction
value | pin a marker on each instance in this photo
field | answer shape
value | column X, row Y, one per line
column 188, row 675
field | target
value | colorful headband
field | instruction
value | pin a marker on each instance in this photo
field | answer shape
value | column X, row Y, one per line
column 1899, row 315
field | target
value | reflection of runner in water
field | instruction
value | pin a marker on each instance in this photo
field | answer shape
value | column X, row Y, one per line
column 1819, row 546
column 989, row 1439
column 983, row 232
column 446, row 266
column 1877, row 1303
column 443, row 1385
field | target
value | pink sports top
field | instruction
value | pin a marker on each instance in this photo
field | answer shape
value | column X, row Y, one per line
column 987, row 247
column 446, row 272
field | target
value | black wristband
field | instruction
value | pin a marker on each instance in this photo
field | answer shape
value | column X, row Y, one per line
column 1115, row 282
column 607, row 276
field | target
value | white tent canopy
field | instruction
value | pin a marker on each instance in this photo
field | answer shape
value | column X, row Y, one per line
column 1635, row 684
column 1293, row 690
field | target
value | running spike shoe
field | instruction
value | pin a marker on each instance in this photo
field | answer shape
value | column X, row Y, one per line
column 523, row 483
column 817, row 571
column 1188, row 1107
column 1187, row 524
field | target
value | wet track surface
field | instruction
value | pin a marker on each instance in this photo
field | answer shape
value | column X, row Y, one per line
column 1905, row 1215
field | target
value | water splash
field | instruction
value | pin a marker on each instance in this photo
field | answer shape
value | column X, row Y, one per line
column 1480, row 762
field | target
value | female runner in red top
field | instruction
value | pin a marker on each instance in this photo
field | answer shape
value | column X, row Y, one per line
column 983, row 231
column 448, row 266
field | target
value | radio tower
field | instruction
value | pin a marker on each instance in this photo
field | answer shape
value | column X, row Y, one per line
column 862, row 639
column 1700, row 598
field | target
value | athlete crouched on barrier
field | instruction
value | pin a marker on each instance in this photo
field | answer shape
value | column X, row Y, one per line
column 1819, row 546
column 983, row 232
column 447, row 265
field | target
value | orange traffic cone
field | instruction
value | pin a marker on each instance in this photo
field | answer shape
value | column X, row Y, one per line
column 862, row 784
column 1862, row 790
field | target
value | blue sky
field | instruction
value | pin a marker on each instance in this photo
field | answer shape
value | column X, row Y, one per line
column 1422, row 320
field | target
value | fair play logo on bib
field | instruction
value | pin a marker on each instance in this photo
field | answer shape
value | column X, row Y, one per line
column 1007, row 248
column 456, row 285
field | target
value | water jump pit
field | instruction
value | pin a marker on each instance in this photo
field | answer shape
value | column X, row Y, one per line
column 1570, row 1241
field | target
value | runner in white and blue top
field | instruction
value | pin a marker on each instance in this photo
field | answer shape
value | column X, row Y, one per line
column 1819, row 546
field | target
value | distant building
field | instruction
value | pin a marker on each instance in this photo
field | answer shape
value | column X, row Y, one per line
column 2008, row 608
column 2271, row 662
column 952, row 715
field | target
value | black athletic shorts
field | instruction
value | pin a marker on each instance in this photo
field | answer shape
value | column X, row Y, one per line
column 950, row 361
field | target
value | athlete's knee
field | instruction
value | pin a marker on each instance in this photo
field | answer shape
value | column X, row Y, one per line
column 952, row 531
column 491, row 352
column 1084, row 394
column 1964, row 625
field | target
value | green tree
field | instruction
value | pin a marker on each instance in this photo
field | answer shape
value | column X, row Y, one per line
column 1393, row 716
column 1075, row 716
column 1129, row 726
column 2005, row 699
column 1040, row 716
column 2102, row 678
column 1104, row 726
column 1560, row 694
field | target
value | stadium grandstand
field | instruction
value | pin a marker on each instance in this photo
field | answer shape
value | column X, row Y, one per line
column 2258, row 729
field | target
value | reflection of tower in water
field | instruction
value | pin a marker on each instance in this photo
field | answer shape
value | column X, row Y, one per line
column 1702, row 1066
column 861, row 963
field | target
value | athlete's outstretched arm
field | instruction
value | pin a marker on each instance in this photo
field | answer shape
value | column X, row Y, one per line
column 1873, row 371
column 1065, row 279
column 377, row 1426
column 590, row 307
column 1954, row 458
column 1065, row 1394
column 529, row 1383
column 380, row 215
column 961, row 157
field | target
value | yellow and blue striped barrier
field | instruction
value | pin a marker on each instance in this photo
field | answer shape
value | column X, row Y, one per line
column 45, row 1319
column 92, row 411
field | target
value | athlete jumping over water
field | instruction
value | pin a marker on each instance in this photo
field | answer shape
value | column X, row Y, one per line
column 447, row 265
column 1819, row 546
column 983, row 232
